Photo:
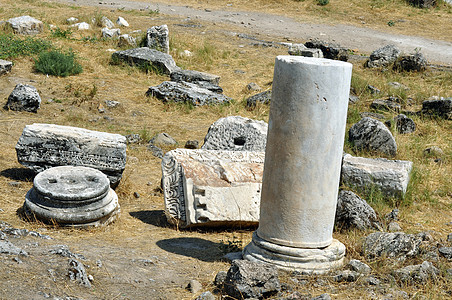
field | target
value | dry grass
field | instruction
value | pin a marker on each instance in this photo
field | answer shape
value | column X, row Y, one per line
column 76, row 100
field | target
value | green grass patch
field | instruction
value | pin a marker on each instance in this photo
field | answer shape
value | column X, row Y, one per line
column 57, row 63
column 12, row 46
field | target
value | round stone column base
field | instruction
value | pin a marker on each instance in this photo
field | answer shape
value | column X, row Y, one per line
column 304, row 260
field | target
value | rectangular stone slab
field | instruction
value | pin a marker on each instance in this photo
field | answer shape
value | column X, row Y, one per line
column 42, row 146
column 391, row 177
column 212, row 188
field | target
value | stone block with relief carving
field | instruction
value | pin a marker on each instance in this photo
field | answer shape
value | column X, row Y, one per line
column 212, row 188
column 43, row 146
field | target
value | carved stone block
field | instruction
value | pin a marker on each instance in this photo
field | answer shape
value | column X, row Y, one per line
column 390, row 177
column 208, row 187
column 43, row 146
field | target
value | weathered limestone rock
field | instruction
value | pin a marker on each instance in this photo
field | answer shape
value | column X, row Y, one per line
column 423, row 3
column 404, row 124
column 446, row 252
column 6, row 247
column 122, row 22
column 24, row 97
column 264, row 98
column 5, row 66
column 110, row 33
column 106, row 22
column 170, row 91
column 157, row 37
column 25, row 25
column 212, row 187
column 71, row 20
column 383, row 57
column 414, row 62
column 126, row 40
column 440, row 107
column 392, row 245
column 236, row 133
column 385, row 104
column 302, row 166
column 42, row 146
column 203, row 80
column 302, row 50
column 77, row 272
column 352, row 211
column 390, row 177
column 246, row 279
column 72, row 196
column 144, row 56
column 417, row 273
column 329, row 50
column 81, row 26
column 359, row 266
column 373, row 135
column 194, row 76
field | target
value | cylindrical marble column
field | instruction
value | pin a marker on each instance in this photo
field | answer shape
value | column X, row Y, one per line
column 306, row 131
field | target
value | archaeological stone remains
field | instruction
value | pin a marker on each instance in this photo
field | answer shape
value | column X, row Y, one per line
column 42, row 146
column 25, row 25
column 237, row 134
column 72, row 196
column 24, row 97
column 157, row 37
column 148, row 58
column 205, row 187
column 186, row 92
column 5, row 66
column 303, row 158
column 390, row 177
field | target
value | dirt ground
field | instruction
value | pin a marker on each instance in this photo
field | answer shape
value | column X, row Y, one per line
column 276, row 27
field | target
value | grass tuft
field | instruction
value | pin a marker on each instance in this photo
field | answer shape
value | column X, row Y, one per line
column 57, row 63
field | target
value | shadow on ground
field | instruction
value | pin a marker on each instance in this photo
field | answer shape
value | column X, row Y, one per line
column 19, row 174
column 201, row 249
column 151, row 217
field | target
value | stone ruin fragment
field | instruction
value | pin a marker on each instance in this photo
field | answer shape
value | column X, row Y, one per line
column 205, row 187
column 42, row 146
column 72, row 196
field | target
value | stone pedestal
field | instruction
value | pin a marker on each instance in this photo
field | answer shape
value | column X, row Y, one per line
column 72, row 196
column 302, row 165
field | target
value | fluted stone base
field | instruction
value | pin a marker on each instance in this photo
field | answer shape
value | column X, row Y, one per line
column 304, row 260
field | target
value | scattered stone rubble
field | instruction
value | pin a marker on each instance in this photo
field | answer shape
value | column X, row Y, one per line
column 397, row 245
column 42, row 146
column 354, row 212
column 24, row 97
column 157, row 37
column 5, row 66
column 441, row 107
column 373, row 135
column 383, row 57
column 186, row 92
column 329, row 50
column 263, row 97
column 147, row 57
column 72, row 196
column 25, row 25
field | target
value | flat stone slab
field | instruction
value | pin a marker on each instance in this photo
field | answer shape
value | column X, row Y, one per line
column 74, row 196
column 194, row 76
column 25, row 25
column 43, row 146
column 391, row 177
column 205, row 187
column 186, row 92
column 440, row 107
column 145, row 56
column 5, row 66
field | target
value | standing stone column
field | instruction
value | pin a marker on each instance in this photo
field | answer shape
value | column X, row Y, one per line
column 302, row 165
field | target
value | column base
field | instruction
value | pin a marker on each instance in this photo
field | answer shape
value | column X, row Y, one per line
column 304, row 260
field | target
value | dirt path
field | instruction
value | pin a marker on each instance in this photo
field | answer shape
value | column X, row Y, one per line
column 363, row 39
